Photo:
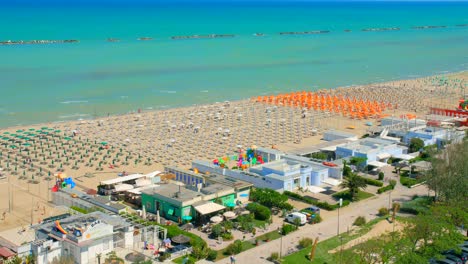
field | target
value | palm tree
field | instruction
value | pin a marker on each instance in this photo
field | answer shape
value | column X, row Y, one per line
column 353, row 183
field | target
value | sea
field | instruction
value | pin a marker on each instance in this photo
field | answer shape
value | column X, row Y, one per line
column 94, row 77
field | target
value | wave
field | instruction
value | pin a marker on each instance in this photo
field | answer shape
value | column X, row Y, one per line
column 73, row 116
column 74, row 102
column 169, row 92
column 204, row 91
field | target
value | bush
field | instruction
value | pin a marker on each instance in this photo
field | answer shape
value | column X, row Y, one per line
column 227, row 236
column 383, row 211
column 260, row 212
column 270, row 198
column 305, row 242
column 315, row 220
column 360, row 220
column 381, row 176
column 371, row 181
column 323, row 205
column 164, row 256
column 212, row 254
column 274, row 256
column 286, row 229
column 393, row 183
column 384, row 189
column 234, row 248
column 408, row 182
column 216, row 231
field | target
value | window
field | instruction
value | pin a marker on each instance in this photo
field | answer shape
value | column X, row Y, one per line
column 170, row 211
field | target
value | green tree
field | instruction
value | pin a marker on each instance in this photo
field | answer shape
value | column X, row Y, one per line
column 449, row 175
column 416, row 144
column 270, row 198
column 353, row 183
column 319, row 155
column 346, row 169
column 358, row 161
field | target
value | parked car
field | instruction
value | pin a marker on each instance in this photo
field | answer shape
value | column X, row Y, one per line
column 462, row 255
column 292, row 216
column 314, row 209
column 454, row 258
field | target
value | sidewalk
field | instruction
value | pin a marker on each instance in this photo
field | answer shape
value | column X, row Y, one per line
column 329, row 227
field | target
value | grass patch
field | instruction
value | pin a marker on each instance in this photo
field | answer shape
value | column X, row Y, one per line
column 180, row 259
column 246, row 245
column 321, row 252
column 345, row 195
column 417, row 205
column 270, row 235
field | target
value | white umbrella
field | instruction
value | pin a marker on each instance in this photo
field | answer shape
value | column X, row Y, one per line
column 216, row 219
column 158, row 218
column 144, row 212
column 229, row 214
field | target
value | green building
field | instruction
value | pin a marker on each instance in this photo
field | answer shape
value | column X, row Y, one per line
column 177, row 202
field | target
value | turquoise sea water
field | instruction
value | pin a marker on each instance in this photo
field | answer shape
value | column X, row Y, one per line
column 57, row 82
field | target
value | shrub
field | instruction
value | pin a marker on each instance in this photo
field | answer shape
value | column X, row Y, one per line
column 260, row 212
column 393, row 183
column 371, row 181
column 212, row 254
column 360, row 220
column 381, row 176
column 383, row 211
column 270, row 198
column 216, row 231
column 274, row 256
column 164, row 256
column 315, row 220
column 286, row 229
column 323, row 205
column 234, row 248
column 384, row 189
column 408, row 182
column 227, row 236
column 305, row 242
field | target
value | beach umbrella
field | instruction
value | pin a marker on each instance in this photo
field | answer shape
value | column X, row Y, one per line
column 67, row 138
column 58, row 131
column 180, row 239
column 27, row 144
column 43, row 128
column 31, row 129
column 13, row 146
column 229, row 214
column 103, row 143
column 6, row 133
column 216, row 219
column 19, row 131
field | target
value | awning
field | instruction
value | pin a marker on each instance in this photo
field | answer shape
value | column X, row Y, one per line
column 377, row 164
column 209, row 208
column 404, row 157
column 122, row 187
column 383, row 156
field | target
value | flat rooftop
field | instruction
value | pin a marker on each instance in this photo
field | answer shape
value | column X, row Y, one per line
column 228, row 181
column 215, row 188
column 172, row 191
column 368, row 144
column 327, row 145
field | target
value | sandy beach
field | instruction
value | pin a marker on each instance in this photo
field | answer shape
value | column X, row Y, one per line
column 94, row 150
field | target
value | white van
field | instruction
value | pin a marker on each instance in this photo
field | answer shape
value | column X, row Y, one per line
column 302, row 217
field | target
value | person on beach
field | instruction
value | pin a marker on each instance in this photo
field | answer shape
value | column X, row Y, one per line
column 233, row 259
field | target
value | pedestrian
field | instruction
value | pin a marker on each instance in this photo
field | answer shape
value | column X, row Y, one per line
column 233, row 259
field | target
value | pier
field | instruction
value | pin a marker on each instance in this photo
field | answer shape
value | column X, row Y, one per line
column 35, row 42
column 305, row 32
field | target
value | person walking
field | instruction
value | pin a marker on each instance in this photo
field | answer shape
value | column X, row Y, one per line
column 233, row 259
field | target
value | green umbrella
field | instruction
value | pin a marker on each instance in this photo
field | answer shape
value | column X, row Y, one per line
column 67, row 138
column 26, row 144
column 5, row 138
column 44, row 128
column 13, row 146
column 19, row 131
column 6, row 133
column 32, row 129
column 58, row 131
column 104, row 143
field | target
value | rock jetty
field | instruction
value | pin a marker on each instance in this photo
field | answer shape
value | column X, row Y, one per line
column 210, row 36
column 381, row 29
column 32, row 42
column 305, row 32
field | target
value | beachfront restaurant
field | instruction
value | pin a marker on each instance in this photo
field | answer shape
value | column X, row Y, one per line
column 180, row 203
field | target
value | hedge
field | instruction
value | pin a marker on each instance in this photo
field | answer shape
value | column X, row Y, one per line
column 323, row 205
column 372, row 181
column 384, row 189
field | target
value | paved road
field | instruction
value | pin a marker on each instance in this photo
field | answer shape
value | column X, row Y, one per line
column 328, row 228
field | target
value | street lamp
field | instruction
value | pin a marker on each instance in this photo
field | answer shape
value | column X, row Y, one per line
column 281, row 242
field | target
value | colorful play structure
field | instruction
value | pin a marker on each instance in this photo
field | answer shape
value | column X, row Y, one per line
column 463, row 105
column 461, row 112
column 62, row 181
column 321, row 101
column 59, row 227
column 243, row 160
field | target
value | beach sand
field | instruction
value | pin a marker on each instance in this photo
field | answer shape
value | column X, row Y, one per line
column 148, row 141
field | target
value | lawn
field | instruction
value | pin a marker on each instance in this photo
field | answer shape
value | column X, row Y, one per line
column 180, row 259
column 246, row 245
column 417, row 205
column 321, row 252
column 361, row 195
